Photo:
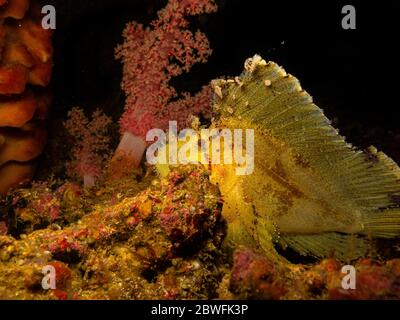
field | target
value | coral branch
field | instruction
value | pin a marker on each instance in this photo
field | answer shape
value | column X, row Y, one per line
column 91, row 144
column 151, row 57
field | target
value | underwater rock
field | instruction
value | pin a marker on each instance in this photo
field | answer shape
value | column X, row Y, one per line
column 374, row 281
column 42, row 205
column 256, row 277
column 253, row 276
column 121, row 251
column 185, row 217
column 25, row 69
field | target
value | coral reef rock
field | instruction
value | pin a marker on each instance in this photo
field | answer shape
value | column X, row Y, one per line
column 163, row 243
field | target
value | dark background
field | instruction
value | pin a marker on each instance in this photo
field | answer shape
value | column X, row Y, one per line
column 352, row 74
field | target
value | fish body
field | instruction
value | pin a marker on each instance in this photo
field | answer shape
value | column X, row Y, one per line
column 310, row 190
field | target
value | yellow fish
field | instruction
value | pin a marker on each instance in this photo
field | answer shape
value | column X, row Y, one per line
column 310, row 190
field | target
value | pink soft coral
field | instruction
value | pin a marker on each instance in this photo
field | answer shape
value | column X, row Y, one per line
column 91, row 143
column 151, row 57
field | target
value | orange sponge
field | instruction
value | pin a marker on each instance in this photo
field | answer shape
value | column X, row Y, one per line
column 16, row 111
column 22, row 145
column 25, row 68
column 13, row 8
column 13, row 173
